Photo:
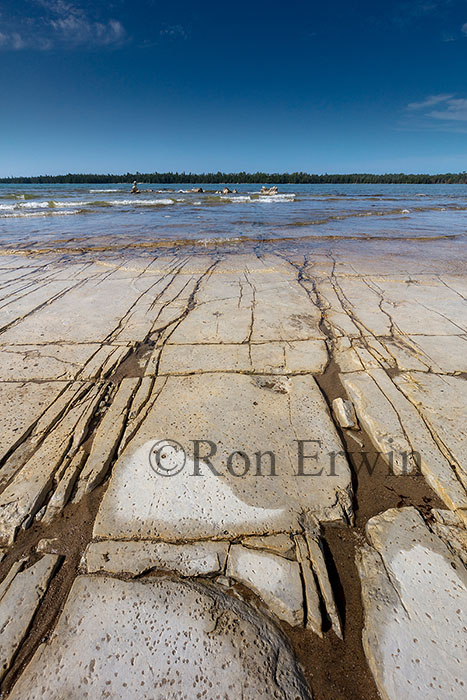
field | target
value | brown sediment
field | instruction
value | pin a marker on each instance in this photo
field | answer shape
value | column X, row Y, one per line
column 337, row 669
column 376, row 488
column 72, row 530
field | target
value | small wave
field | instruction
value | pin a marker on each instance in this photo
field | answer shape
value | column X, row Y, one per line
column 35, row 205
column 141, row 202
column 35, row 214
column 60, row 204
column 277, row 198
column 25, row 205
column 108, row 191
column 239, row 198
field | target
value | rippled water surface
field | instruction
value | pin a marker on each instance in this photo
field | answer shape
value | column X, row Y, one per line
column 176, row 214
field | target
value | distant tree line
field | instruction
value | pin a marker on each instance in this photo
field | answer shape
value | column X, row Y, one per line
column 241, row 178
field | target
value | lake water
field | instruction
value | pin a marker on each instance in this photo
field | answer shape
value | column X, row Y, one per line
column 173, row 214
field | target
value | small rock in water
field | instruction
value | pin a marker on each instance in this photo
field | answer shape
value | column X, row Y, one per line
column 269, row 190
column 197, row 190
column 226, row 191
column 345, row 413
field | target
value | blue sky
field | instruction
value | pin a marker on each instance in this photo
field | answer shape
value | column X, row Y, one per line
column 301, row 85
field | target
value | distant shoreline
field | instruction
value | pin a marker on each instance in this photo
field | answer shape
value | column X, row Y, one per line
column 242, row 178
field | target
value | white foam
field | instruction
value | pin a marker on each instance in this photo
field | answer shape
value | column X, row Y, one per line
column 25, row 205
column 71, row 204
column 33, row 204
column 141, row 202
column 240, row 198
column 277, row 198
column 32, row 214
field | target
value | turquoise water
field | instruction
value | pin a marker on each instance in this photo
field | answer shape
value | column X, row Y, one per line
column 175, row 214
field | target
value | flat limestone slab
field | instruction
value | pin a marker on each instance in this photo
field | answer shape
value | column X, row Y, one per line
column 275, row 579
column 160, row 639
column 377, row 415
column 265, row 358
column 395, row 425
column 22, row 404
column 278, row 544
column 20, row 594
column 44, row 362
column 101, row 304
column 237, row 413
column 197, row 559
column 448, row 352
column 442, row 400
column 26, row 492
column 251, row 300
column 415, row 602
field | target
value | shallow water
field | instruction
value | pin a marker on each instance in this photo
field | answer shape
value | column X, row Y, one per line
column 175, row 214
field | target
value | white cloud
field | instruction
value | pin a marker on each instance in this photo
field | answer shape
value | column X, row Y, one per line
column 454, row 110
column 61, row 25
column 450, row 114
column 464, row 29
column 175, row 31
column 79, row 30
column 12, row 40
column 430, row 101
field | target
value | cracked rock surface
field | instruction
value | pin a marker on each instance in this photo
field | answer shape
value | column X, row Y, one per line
column 181, row 508
column 414, row 593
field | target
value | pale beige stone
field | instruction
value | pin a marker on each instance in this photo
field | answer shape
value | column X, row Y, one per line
column 346, row 356
column 275, row 579
column 20, row 595
column 313, row 619
column 107, row 437
column 44, row 362
column 22, row 405
column 434, row 464
column 134, row 640
column 186, row 359
column 450, row 527
column 442, row 401
column 25, row 494
column 321, row 570
column 103, row 361
column 137, row 557
column 305, row 356
column 62, row 493
column 378, row 417
column 236, row 415
column 414, row 594
column 344, row 413
column 288, row 358
column 278, row 544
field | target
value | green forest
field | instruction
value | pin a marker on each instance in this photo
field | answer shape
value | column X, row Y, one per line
column 241, row 178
